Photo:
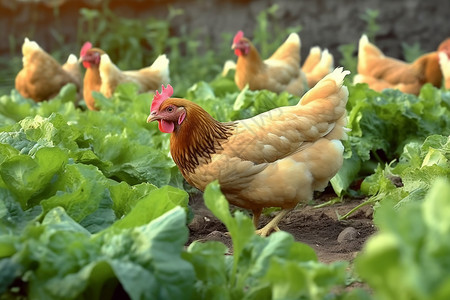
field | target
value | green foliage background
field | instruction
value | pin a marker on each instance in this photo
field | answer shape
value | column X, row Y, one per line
column 92, row 205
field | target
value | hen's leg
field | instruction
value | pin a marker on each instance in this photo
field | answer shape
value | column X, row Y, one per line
column 256, row 215
column 273, row 224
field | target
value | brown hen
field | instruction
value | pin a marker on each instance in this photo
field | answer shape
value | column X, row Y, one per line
column 275, row 159
column 282, row 71
column 42, row 77
column 381, row 72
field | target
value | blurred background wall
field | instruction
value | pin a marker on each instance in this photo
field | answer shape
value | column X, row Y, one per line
column 60, row 26
column 324, row 22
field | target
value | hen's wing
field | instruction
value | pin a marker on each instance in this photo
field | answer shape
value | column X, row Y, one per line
column 312, row 59
column 280, row 132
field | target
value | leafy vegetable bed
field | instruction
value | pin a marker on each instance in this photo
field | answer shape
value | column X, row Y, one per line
column 92, row 206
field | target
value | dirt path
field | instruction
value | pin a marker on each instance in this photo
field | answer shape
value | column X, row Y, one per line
column 320, row 228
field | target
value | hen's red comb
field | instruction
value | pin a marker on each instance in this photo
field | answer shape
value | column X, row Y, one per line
column 158, row 99
column 239, row 35
column 85, row 48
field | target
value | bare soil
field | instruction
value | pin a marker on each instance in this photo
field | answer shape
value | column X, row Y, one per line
column 332, row 239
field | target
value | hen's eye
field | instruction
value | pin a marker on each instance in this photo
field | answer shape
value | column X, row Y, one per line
column 170, row 109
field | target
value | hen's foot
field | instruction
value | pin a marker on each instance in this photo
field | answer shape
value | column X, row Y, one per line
column 273, row 224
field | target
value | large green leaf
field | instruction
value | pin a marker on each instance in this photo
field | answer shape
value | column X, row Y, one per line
column 210, row 266
column 346, row 175
column 154, row 204
column 82, row 190
column 309, row 280
column 65, row 261
column 125, row 196
column 13, row 219
column 240, row 227
column 26, row 176
column 158, row 271
column 408, row 257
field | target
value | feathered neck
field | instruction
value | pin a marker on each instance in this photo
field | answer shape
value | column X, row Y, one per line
column 197, row 138
column 250, row 61
column 92, row 75
column 92, row 82
column 247, row 66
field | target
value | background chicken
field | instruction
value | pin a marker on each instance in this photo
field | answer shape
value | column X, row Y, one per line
column 42, row 76
column 381, row 72
column 318, row 64
column 103, row 76
column 275, row 159
column 444, row 61
column 280, row 72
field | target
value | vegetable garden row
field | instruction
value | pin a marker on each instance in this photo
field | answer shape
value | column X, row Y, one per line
column 93, row 207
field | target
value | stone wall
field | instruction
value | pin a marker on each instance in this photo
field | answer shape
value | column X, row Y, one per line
column 328, row 23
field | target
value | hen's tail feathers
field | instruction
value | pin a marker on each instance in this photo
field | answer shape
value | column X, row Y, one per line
column 107, row 66
column 366, row 51
column 358, row 78
column 327, row 101
column 291, row 47
column 363, row 41
column 312, row 59
column 29, row 46
column 444, row 62
column 161, row 64
column 72, row 67
column 337, row 76
column 328, row 86
column 293, row 38
column 317, row 65
column 72, row 59
column 326, row 61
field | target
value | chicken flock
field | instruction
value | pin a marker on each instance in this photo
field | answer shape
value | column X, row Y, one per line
column 274, row 159
column 381, row 72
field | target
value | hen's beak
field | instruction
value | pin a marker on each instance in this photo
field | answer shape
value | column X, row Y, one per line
column 152, row 117
column 233, row 46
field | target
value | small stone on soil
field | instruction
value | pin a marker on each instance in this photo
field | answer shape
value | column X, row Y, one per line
column 347, row 235
column 198, row 222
